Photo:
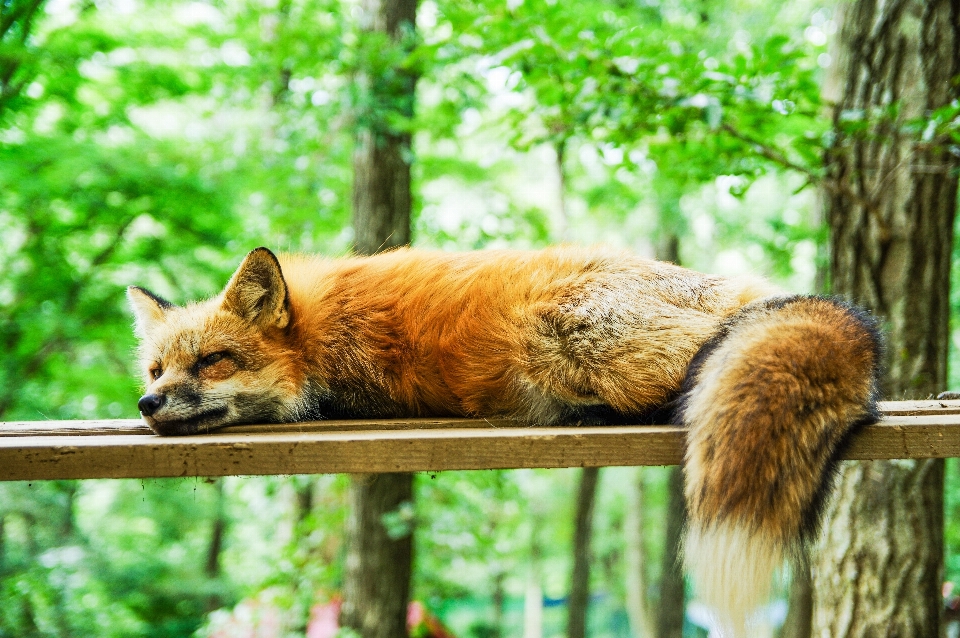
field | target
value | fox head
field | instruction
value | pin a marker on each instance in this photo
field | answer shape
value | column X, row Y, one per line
column 223, row 361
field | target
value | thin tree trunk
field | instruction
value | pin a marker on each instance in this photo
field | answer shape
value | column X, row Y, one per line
column 304, row 499
column 68, row 524
column 381, row 192
column 672, row 591
column 582, row 532
column 218, row 530
column 563, row 218
column 799, row 621
column 379, row 568
column 672, row 602
column 376, row 587
column 533, row 592
column 638, row 611
column 668, row 248
column 382, row 199
column 891, row 201
column 499, row 599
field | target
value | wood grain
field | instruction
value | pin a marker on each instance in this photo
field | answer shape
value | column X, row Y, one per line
column 35, row 450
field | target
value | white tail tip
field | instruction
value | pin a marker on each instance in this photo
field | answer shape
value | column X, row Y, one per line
column 732, row 571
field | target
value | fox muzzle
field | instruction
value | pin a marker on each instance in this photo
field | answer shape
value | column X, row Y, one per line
column 150, row 403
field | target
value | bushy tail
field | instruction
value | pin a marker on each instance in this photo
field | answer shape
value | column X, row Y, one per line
column 769, row 402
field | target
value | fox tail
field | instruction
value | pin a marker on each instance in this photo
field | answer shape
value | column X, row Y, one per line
column 770, row 402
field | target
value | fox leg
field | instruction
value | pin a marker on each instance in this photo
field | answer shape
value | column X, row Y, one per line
column 770, row 402
column 606, row 349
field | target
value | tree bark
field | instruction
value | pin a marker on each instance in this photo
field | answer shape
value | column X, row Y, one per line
column 638, row 610
column 304, row 494
column 563, row 216
column 583, row 530
column 376, row 586
column 68, row 524
column 218, row 528
column 799, row 620
column 382, row 199
column 672, row 603
column 891, row 200
column 381, row 192
column 533, row 592
column 672, row 591
column 377, row 580
column 879, row 569
column 218, row 531
column 499, row 600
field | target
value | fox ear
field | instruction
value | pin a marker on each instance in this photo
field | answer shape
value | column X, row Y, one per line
column 148, row 308
column 257, row 291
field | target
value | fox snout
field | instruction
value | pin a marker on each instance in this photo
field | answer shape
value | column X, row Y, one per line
column 150, row 403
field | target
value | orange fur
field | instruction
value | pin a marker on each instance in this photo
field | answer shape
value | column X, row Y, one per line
column 770, row 402
column 769, row 386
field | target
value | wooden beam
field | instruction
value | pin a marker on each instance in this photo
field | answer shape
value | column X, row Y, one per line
column 32, row 450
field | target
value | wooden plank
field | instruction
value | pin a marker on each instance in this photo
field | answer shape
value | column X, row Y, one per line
column 125, row 449
column 136, row 426
column 74, row 428
column 916, row 408
column 116, row 456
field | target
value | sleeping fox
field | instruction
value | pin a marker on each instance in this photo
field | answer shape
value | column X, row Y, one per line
column 770, row 386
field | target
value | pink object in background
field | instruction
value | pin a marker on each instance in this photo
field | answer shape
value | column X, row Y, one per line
column 325, row 621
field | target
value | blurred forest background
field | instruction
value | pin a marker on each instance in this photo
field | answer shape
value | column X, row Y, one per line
column 155, row 142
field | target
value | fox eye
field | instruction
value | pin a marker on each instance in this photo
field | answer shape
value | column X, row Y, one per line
column 212, row 358
column 156, row 373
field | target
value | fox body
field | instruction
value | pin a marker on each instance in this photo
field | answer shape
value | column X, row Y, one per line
column 770, row 386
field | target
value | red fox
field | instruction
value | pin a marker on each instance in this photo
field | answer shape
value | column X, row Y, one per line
column 770, row 386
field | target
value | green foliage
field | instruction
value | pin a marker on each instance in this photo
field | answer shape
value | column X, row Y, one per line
column 476, row 523
column 79, row 219
column 20, row 60
column 89, row 559
column 594, row 71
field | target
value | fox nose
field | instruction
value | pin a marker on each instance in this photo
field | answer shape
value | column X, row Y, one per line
column 150, row 403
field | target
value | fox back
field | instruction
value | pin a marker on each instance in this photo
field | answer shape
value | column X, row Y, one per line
column 770, row 386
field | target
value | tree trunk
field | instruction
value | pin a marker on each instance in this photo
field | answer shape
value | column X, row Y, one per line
column 799, row 621
column 381, row 192
column 68, row 524
column 377, row 580
column 499, row 600
column 667, row 247
column 582, row 531
column 533, row 592
column 376, row 586
column 879, row 569
column 218, row 531
column 891, row 201
column 563, row 217
column 303, row 493
column 638, row 611
column 382, row 198
column 672, row 591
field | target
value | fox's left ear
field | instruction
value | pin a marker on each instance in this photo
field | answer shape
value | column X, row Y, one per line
column 257, row 291
column 148, row 308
